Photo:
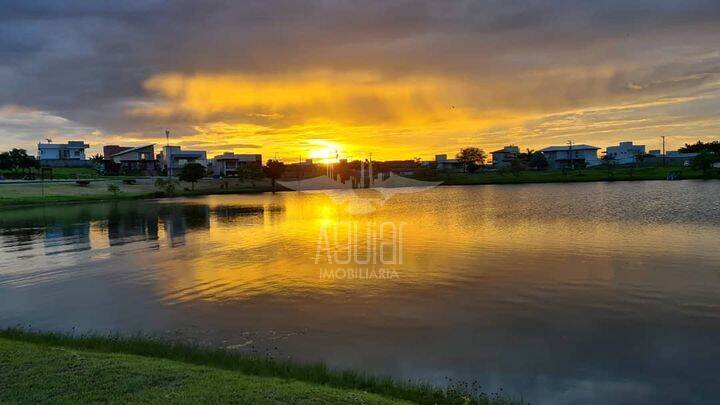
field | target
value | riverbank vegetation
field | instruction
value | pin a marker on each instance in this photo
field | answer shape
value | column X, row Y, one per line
column 51, row 367
column 578, row 175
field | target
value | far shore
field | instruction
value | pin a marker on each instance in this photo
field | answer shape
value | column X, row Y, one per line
column 15, row 194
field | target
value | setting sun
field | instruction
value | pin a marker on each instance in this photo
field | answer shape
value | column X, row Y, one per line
column 325, row 152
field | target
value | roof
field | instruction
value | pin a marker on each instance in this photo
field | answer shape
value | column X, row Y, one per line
column 132, row 150
column 567, row 148
column 71, row 144
column 508, row 149
column 239, row 157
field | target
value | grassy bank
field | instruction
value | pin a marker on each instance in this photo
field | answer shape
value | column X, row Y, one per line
column 556, row 176
column 59, row 368
column 27, row 194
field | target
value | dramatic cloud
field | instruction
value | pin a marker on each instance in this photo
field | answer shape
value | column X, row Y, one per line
column 396, row 78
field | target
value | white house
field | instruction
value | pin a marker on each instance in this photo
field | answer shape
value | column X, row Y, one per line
column 625, row 152
column 174, row 158
column 73, row 150
column 503, row 157
column 443, row 163
column 229, row 163
column 568, row 156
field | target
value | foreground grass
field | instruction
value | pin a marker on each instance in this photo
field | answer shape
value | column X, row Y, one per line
column 60, row 368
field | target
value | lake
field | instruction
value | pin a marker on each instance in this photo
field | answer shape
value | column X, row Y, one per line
column 561, row 293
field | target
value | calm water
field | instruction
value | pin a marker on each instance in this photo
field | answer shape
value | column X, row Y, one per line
column 562, row 293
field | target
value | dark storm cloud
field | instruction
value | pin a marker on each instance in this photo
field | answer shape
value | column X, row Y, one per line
column 87, row 61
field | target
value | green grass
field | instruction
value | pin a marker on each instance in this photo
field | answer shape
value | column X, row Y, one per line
column 66, row 199
column 62, row 173
column 51, row 367
column 74, row 172
column 25, row 194
column 557, row 176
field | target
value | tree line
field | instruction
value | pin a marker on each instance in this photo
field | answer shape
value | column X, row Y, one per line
column 473, row 158
column 18, row 159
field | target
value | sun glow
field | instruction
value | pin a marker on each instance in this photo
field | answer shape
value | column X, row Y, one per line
column 326, row 152
column 321, row 115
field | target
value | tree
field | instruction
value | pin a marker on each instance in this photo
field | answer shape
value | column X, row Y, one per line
column 166, row 186
column 516, row 166
column 248, row 172
column 28, row 162
column 274, row 169
column 6, row 162
column 471, row 158
column 19, row 159
column 701, row 146
column 608, row 162
column 538, row 161
column 97, row 158
column 191, row 173
column 704, row 162
column 114, row 189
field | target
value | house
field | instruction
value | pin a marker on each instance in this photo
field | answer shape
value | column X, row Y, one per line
column 173, row 158
column 73, row 150
column 127, row 159
column 625, row 152
column 442, row 163
column 503, row 157
column 571, row 156
column 229, row 164
column 671, row 158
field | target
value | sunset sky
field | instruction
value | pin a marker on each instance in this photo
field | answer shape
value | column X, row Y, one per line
column 398, row 79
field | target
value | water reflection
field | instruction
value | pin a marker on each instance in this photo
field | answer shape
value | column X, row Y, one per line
column 563, row 293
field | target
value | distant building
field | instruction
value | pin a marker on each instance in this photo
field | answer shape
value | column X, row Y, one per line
column 128, row 159
column 442, row 163
column 625, row 152
column 174, row 158
column 73, row 150
column 401, row 167
column 671, row 158
column 503, row 157
column 71, row 154
column 679, row 158
column 228, row 164
column 568, row 156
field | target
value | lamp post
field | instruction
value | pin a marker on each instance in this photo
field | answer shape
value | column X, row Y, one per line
column 572, row 162
column 167, row 154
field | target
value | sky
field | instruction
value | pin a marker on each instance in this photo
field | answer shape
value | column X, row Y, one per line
column 395, row 79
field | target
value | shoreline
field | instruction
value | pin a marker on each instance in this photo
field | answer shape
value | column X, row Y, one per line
column 450, row 179
column 66, row 200
column 124, row 369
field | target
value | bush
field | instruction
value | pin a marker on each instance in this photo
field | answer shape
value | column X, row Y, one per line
column 114, row 189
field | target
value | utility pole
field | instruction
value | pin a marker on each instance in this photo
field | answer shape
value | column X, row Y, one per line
column 167, row 153
column 572, row 162
column 663, row 138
